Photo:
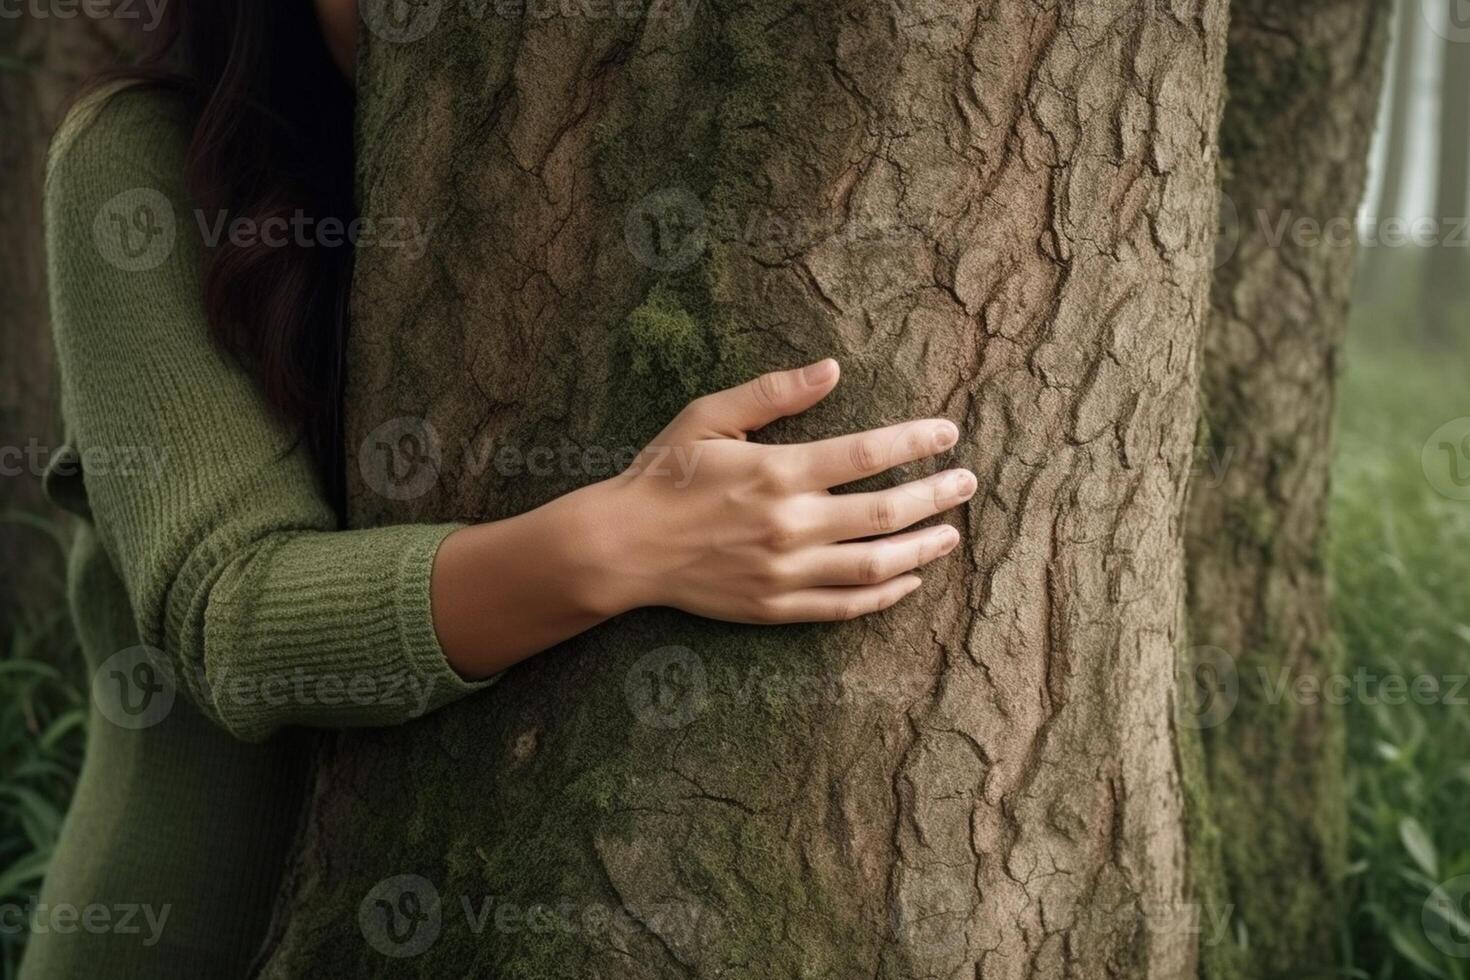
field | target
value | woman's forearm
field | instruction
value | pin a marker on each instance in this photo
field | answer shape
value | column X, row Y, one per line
column 507, row 590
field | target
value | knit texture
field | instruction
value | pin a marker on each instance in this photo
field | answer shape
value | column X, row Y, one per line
column 205, row 537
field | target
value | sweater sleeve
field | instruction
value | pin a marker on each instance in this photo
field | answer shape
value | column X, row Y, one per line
column 206, row 504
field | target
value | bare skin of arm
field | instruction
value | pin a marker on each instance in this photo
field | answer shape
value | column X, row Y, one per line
column 742, row 532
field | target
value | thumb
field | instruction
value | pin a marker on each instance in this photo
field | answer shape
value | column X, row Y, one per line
column 761, row 401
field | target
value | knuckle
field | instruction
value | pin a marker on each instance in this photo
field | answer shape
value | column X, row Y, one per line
column 884, row 516
column 773, row 473
column 916, row 442
column 865, row 455
column 870, row 569
column 770, row 389
column 775, row 575
column 699, row 408
column 782, row 530
column 764, row 609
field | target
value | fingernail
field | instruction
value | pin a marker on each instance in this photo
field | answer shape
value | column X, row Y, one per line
column 964, row 483
column 948, row 538
column 946, row 436
column 820, row 372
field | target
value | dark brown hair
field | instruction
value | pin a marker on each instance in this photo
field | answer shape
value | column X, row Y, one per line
column 272, row 140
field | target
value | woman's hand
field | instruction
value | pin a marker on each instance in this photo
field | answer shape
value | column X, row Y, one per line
column 706, row 522
column 712, row 524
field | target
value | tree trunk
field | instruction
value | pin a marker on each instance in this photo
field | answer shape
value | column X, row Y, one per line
column 1379, row 268
column 1448, row 266
column 998, row 212
column 1407, row 25
column 42, row 60
column 1303, row 83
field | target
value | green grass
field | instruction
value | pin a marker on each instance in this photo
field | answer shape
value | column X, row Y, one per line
column 42, row 722
column 1400, row 559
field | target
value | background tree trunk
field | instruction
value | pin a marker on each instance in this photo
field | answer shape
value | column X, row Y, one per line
column 1408, row 23
column 1378, row 270
column 1448, row 264
column 999, row 212
column 1303, row 83
column 42, row 61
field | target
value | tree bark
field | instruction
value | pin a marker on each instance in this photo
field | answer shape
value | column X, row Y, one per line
column 998, row 212
column 42, row 60
column 1303, row 82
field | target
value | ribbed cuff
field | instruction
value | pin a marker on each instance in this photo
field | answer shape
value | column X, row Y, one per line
column 425, row 657
column 325, row 629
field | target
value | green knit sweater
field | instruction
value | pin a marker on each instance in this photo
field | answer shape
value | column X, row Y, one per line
column 216, row 601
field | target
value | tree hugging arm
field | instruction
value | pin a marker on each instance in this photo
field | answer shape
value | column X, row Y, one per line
column 206, row 505
column 739, row 531
column 232, row 560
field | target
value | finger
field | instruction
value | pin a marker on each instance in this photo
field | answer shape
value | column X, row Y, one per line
column 832, row 462
column 835, row 604
column 761, row 401
column 862, row 515
column 872, row 562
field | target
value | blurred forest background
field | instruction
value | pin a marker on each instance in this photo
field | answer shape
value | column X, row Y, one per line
column 1400, row 554
column 1400, row 518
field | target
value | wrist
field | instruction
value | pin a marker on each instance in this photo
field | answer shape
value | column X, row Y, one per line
column 599, row 534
